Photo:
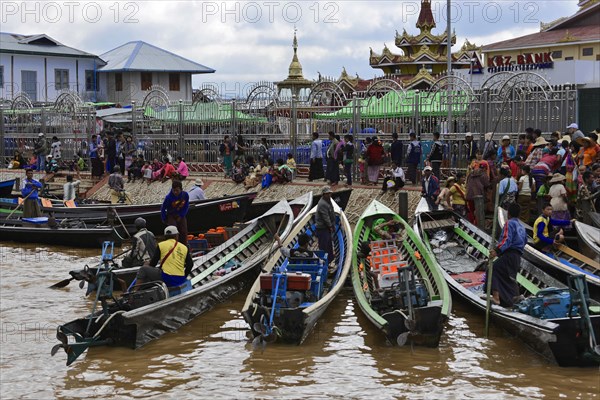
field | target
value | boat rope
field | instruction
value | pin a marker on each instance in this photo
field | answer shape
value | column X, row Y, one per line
column 106, row 323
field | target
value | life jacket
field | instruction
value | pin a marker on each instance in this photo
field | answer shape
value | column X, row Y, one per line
column 538, row 221
column 174, row 264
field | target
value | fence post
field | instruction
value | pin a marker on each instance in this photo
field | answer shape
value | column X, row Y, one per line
column 180, row 152
column 233, row 122
column 356, row 130
column 133, row 124
column 403, row 204
column 294, row 127
column 43, row 121
column 479, row 202
column 2, row 149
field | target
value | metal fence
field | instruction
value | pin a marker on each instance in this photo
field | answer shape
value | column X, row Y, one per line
column 507, row 104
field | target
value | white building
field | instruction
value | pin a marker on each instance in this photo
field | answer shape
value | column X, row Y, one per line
column 42, row 68
column 133, row 68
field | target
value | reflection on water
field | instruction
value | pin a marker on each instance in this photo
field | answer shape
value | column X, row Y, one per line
column 344, row 357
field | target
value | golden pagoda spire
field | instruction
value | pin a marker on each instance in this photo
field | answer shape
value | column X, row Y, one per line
column 295, row 70
column 425, row 22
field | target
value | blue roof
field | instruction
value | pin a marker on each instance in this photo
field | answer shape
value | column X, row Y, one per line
column 142, row 56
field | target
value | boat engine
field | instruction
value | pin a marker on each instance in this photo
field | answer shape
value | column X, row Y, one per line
column 396, row 296
column 547, row 304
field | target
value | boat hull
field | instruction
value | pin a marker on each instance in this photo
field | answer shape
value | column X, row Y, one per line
column 73, row 237
column 557, row 340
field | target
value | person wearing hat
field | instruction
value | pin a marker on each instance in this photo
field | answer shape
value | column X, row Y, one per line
column 175, row 262
column 196, row 192
column 325, row 223
column 588, row 154
column 506, row 152
column 430, row 187
column 144, row 246
column 558, row 199
column 40, row 149
column 538, row 151
column 175, row 208
column 470, row 147
column 572, row 129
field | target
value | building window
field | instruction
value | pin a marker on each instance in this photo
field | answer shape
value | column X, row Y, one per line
column 557, row 54
column 91, row 80
column 568, row 58
column 146, row 80
column 61, row 79
column 174, row 82
column 118, row 82
column 1, row 75
column 587, row 51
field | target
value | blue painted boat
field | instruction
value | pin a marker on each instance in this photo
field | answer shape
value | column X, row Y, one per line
column 6, row 187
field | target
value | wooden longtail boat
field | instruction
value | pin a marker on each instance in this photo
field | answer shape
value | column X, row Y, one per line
column 559, row 323
column 36, row 230
column 341, row 197
column 387, row 308
column 139, row 317
column 589, row 240
column 562, row 261
column 287, row 300
column 202, row 215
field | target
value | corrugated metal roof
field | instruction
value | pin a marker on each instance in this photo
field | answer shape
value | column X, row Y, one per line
column 39, row 44
column 554, row 37
column 141, row 56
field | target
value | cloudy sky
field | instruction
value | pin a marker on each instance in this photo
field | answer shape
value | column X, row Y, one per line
column 250, row 41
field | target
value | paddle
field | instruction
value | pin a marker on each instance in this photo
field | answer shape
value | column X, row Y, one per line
column 491, row 266
column 76, row 275
column 19, row 205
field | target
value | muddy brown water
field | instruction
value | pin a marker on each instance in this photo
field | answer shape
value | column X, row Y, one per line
column 345, row 357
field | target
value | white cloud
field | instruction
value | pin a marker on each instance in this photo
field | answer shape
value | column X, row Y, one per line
column 244, row 46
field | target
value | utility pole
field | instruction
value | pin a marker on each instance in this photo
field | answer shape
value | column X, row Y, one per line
column 449, row 123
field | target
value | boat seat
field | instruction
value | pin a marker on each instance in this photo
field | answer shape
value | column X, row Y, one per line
column 438, row 224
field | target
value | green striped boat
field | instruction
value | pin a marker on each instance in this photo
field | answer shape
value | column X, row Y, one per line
column 421, row 322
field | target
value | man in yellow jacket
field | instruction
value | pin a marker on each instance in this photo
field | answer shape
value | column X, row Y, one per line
column 175, row 262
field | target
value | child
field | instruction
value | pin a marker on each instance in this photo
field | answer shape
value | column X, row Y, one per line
column 444, row 196
column 147, row 172
column 291, row 163
column 51, row 164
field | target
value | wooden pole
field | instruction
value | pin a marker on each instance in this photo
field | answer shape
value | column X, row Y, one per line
column 403, row 204
column 488, row 307
column 479, row 203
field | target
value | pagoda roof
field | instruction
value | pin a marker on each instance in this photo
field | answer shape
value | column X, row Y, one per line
column 425, row 20
column 425, row 37
column 424, row 55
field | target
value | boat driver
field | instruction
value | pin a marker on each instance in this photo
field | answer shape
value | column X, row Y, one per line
column 544, row 233
column 175, row 262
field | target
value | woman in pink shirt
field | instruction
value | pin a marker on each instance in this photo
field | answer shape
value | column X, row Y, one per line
column 182, row 169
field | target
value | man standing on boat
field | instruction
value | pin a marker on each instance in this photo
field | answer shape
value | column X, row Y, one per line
column 175, row 208
column 430, row 187
column 29, row 191
column 325, row 223
column 175, row 262
column 144, row 246
column 509, row 251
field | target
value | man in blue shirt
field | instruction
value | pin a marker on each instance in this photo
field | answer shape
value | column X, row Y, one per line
column 509, row 250
column 175, row 208
column 29, row 191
